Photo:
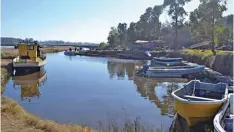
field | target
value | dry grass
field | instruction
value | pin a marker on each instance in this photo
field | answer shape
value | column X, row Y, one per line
column 9, row 107
column 205, row 52
column 54, row 49
column 4, row 78
column 8, row 53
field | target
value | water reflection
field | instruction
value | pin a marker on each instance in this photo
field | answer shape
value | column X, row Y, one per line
column 29, row 84
column 159, row 91
column 122, row 69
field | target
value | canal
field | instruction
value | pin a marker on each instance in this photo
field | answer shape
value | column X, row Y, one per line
column 93, row 91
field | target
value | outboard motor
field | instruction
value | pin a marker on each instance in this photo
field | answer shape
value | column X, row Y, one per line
column 145, row 68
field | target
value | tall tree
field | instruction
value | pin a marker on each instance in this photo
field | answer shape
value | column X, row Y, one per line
column 149, row 24
column 177, row 13
column 122, row 30
column 132, row 34
column 113, row 38
column 209, row 12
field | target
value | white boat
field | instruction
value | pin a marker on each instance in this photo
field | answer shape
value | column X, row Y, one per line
column 173, row 71
column 167, row 61
column 223, row 121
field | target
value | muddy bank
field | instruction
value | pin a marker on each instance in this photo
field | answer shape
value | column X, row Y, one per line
column 220, row 63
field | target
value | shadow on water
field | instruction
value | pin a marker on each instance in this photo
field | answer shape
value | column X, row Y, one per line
column 29, row 84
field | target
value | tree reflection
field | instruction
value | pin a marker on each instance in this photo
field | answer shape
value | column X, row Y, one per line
column 29, row 84
column 122, row 69
column 158, row 91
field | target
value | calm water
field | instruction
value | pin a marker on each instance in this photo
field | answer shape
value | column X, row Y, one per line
column 1, row 47
column 88, row 90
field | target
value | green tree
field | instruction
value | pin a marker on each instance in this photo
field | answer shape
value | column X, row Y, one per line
column 149, row 25
column 131, row 32
column 177, row 13
column 208, row 16
column 122, row 30
column 102, row 45
column 113, row 38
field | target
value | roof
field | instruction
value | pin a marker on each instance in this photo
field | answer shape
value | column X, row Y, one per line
column 206, row 43
column 141, row 41
column 153, row 41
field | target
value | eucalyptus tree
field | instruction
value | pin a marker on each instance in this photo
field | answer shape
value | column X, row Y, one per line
column 176, row 12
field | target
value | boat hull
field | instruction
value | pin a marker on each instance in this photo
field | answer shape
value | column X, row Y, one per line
column 195, row 113
column 173, row 72
column 166, row 63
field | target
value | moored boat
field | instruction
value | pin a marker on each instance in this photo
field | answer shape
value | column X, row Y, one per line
column 167, row 61
column 71, row 53
column 223, row 121
column 173, row 71
column 198, row 101
column 30, row 58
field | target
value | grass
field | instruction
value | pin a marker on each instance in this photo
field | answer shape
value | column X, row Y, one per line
column 54, row 49
column 205, row 52
column 11, row 107
column 8, row 55
column 4, row 78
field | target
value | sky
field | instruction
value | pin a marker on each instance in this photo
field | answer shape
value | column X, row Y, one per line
column 75, row 20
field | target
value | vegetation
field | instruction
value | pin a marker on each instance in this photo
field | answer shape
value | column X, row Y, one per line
column 10, row 107
column 177, row 12
column 204, row 53
column 8, row 55
column 147, row 28
column 205, row 23
column 102, row 45
column 4, row 78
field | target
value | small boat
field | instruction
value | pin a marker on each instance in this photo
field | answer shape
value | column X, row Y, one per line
column 173, row 71
column 70, row 53
column 223, row 121
column 167, row 61
column 198, row 101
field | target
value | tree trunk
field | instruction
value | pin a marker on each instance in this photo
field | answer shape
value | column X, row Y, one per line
column 176, row 33
column 213, row 23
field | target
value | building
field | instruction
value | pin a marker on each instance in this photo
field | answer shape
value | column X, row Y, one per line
column 203, row 45
column 146, row 45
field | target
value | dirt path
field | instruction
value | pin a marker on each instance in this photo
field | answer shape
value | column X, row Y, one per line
column 11, row 124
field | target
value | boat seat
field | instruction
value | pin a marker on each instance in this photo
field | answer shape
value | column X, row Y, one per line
column 201, row 98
